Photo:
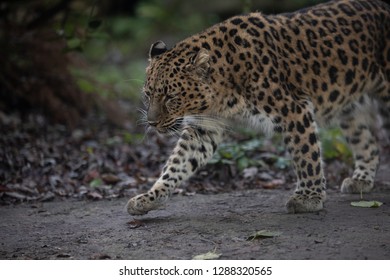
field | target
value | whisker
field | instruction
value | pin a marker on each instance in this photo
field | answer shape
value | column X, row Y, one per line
column 143, row 119
column 210, row 118
column 174, row 132
column 141, row 123
column 146, row 138
column 141, row 110
column 207, row 122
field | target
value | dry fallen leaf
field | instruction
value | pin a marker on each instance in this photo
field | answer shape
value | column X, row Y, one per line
column 263, row 234
column 212, row 255
column 272, row 184
column 136, row 224
column 94, row 195
column 109, row 178
column 366, row 204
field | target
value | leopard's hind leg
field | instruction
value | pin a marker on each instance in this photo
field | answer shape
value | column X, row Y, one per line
column 357, row 124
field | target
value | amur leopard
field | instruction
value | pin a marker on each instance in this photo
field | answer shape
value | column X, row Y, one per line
column 288, row 73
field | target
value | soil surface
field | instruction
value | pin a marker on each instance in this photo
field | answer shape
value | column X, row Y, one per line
column 63, row 195
column 194, row 225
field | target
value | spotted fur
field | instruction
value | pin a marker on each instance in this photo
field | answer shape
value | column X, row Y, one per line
column 286, row 73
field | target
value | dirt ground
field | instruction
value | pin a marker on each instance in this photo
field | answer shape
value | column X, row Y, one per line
column 193, row 225
column 63, row 196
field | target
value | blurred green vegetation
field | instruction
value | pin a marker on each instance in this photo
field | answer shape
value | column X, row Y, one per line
column 249, row 153
column 117, row 45
column 334, row 145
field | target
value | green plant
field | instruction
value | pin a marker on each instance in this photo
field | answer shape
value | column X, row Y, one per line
column 334, row 145
column 248, row 153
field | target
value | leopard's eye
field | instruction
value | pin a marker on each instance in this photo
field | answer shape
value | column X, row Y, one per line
column 171, row 103
column 168, row 95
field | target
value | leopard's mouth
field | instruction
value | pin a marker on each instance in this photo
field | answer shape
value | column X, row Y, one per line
column 172, row 127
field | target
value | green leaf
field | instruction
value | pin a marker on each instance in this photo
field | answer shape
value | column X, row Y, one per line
column 282, row 163
column 227, row 161
column 226, row 154
column 242, row 163
column 334, row 145
column 90, row 150
column 86, row 85
column 208, row 256
column 74, row 43
column 96, row 183
column 132, row 138
column 261, row 234
column 366, row 204
column 252, row 145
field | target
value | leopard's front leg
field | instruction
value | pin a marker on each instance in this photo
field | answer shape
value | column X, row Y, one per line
column 194, row 148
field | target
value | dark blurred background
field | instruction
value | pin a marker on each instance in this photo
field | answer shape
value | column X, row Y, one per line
column 66, row 58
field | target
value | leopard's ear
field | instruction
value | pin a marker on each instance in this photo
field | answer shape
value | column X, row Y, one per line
column 201, row 62
column 157, row 48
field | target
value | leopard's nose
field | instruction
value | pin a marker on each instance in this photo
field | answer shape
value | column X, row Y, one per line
column 154, row 114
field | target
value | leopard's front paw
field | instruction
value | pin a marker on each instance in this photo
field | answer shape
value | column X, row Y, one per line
column 141, row 204
column 302, row 203
column 350, row 185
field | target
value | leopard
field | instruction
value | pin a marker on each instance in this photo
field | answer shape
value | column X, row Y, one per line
column 288, row 73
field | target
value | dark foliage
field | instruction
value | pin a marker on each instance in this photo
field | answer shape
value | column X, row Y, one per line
column 34, row 71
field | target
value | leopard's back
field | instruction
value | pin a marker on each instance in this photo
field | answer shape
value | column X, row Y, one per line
column 342, row 51
column 331, row 53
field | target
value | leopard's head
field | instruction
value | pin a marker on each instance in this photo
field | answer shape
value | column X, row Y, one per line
column 177, row 86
